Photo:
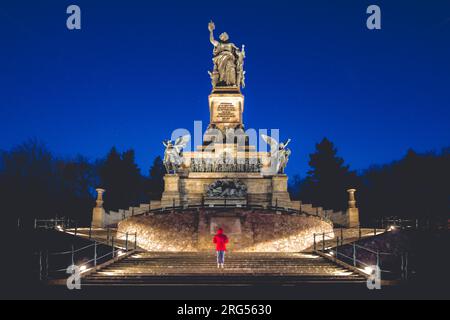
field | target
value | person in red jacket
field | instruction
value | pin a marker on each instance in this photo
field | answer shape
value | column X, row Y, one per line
column 221, row 241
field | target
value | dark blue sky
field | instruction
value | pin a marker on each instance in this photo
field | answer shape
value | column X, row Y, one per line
column 138, row 70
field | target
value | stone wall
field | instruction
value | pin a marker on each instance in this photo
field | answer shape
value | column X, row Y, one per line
column 249, row 231
column 344, row 219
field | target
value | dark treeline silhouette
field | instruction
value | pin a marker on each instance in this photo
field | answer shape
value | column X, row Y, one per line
column 157, row 172
column 36, row 184
column 327, row 180
column 122, row 179
column 413, row 187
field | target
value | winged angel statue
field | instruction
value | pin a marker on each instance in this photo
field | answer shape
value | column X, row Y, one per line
column 173, row 155
column 279, row 153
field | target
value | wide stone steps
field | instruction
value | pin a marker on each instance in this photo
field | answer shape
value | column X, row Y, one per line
column 201, row 268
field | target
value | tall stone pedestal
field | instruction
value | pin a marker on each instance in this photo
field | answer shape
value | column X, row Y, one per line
column 171, row 195
column 226, row 109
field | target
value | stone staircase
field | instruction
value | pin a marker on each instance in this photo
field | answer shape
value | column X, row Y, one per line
column 122, row 214
column 143, row 269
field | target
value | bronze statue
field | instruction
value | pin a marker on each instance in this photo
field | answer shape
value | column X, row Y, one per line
column 279, row 153
column 228, row 61
column 173, row 158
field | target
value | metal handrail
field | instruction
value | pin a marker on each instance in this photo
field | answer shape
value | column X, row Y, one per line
column 357, row 261
column 95, row 260
column 70, row 252
column 116, row 247
column 53, row 223
column 336, row 253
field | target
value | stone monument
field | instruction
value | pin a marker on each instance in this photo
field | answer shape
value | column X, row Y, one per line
column 225, row 182
column 226, row 167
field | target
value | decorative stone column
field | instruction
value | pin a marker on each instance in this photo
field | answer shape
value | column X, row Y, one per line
column 99, row 214
column 352, row 211
column 171, row 193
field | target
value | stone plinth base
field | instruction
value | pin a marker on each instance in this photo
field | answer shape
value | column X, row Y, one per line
column 171, row 196
column 352, row 217
column 99, row 218
column 248, row 230
column 191, row 189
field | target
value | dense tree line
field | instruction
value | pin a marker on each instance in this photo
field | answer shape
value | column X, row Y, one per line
column 414, row 187
column 35, row 183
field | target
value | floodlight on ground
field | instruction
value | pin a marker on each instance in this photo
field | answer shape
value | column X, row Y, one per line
column 368, row 270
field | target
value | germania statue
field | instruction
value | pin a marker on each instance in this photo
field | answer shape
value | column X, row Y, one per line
column 228, row 61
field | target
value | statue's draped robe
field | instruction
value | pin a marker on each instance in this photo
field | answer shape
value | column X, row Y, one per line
column 225, row 64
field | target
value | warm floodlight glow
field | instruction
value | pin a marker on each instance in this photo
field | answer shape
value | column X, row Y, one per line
column 342, row 273
column 368, row 270
column 83, row 268
column 392, row 228
column 155, row 233
column 309, row 256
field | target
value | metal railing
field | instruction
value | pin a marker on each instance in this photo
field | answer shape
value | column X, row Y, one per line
column 423, row 223
column 356, row 233
column 71, row 227
column 391, row 265
column 87, row 257
column 54, row 223
column 393, row 222
column 115, row 244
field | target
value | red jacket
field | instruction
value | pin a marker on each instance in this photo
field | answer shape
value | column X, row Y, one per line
column 220, row 240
